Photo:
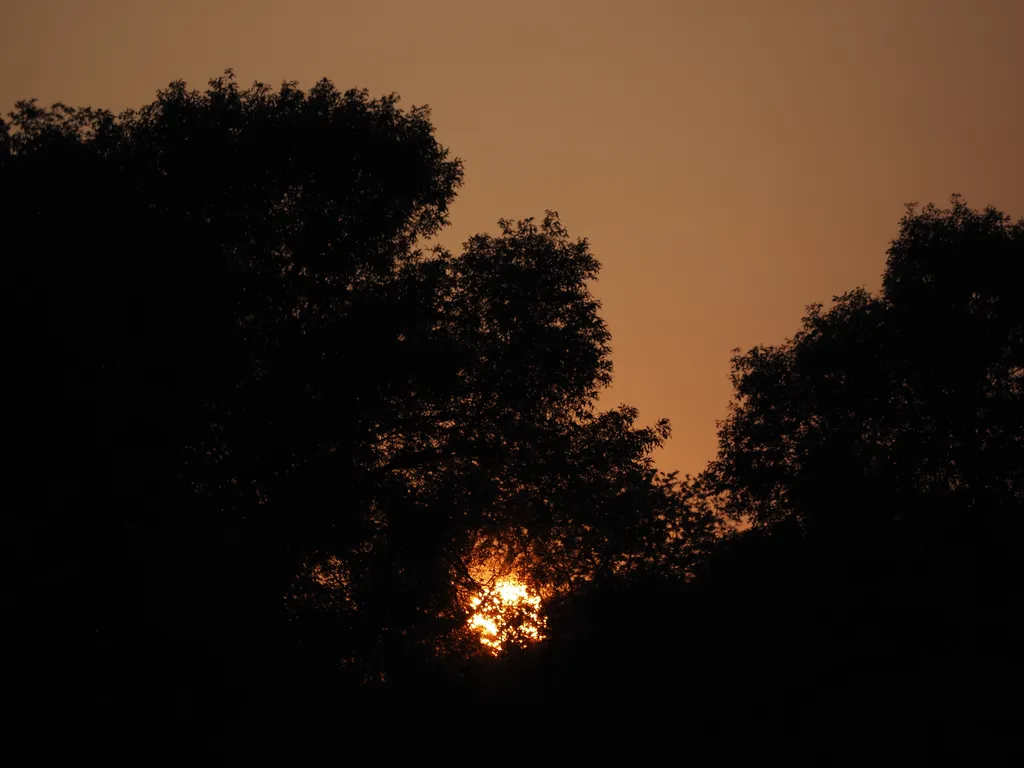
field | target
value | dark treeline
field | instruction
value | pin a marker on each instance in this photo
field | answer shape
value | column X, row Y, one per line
column 267, row 441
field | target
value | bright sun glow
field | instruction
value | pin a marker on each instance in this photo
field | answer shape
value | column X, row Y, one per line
column 507, row 613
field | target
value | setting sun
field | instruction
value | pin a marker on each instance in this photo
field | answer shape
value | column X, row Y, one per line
column 508, row 612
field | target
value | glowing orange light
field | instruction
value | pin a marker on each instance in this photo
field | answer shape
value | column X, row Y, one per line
column 507, row 613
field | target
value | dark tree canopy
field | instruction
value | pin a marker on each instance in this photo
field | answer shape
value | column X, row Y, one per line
column 250, row 382
column 895, row 406
column 273, row 445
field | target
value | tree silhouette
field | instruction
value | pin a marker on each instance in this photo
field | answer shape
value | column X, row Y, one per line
column 281, row 460
column 877, row 455
column 193, row 267
column 868, row 606
column 266, row 418
column 886, row 407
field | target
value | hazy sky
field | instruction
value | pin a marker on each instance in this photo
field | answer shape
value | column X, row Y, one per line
column 730, row 162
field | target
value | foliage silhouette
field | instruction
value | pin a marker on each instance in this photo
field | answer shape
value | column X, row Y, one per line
column 271, row 441
column 878, row 456
column 269, row 422
column 870, row 606
column 909, row 401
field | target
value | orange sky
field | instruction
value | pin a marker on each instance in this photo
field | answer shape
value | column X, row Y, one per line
column 730, row 161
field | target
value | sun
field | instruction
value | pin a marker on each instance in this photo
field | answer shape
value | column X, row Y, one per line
column 507, row 613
